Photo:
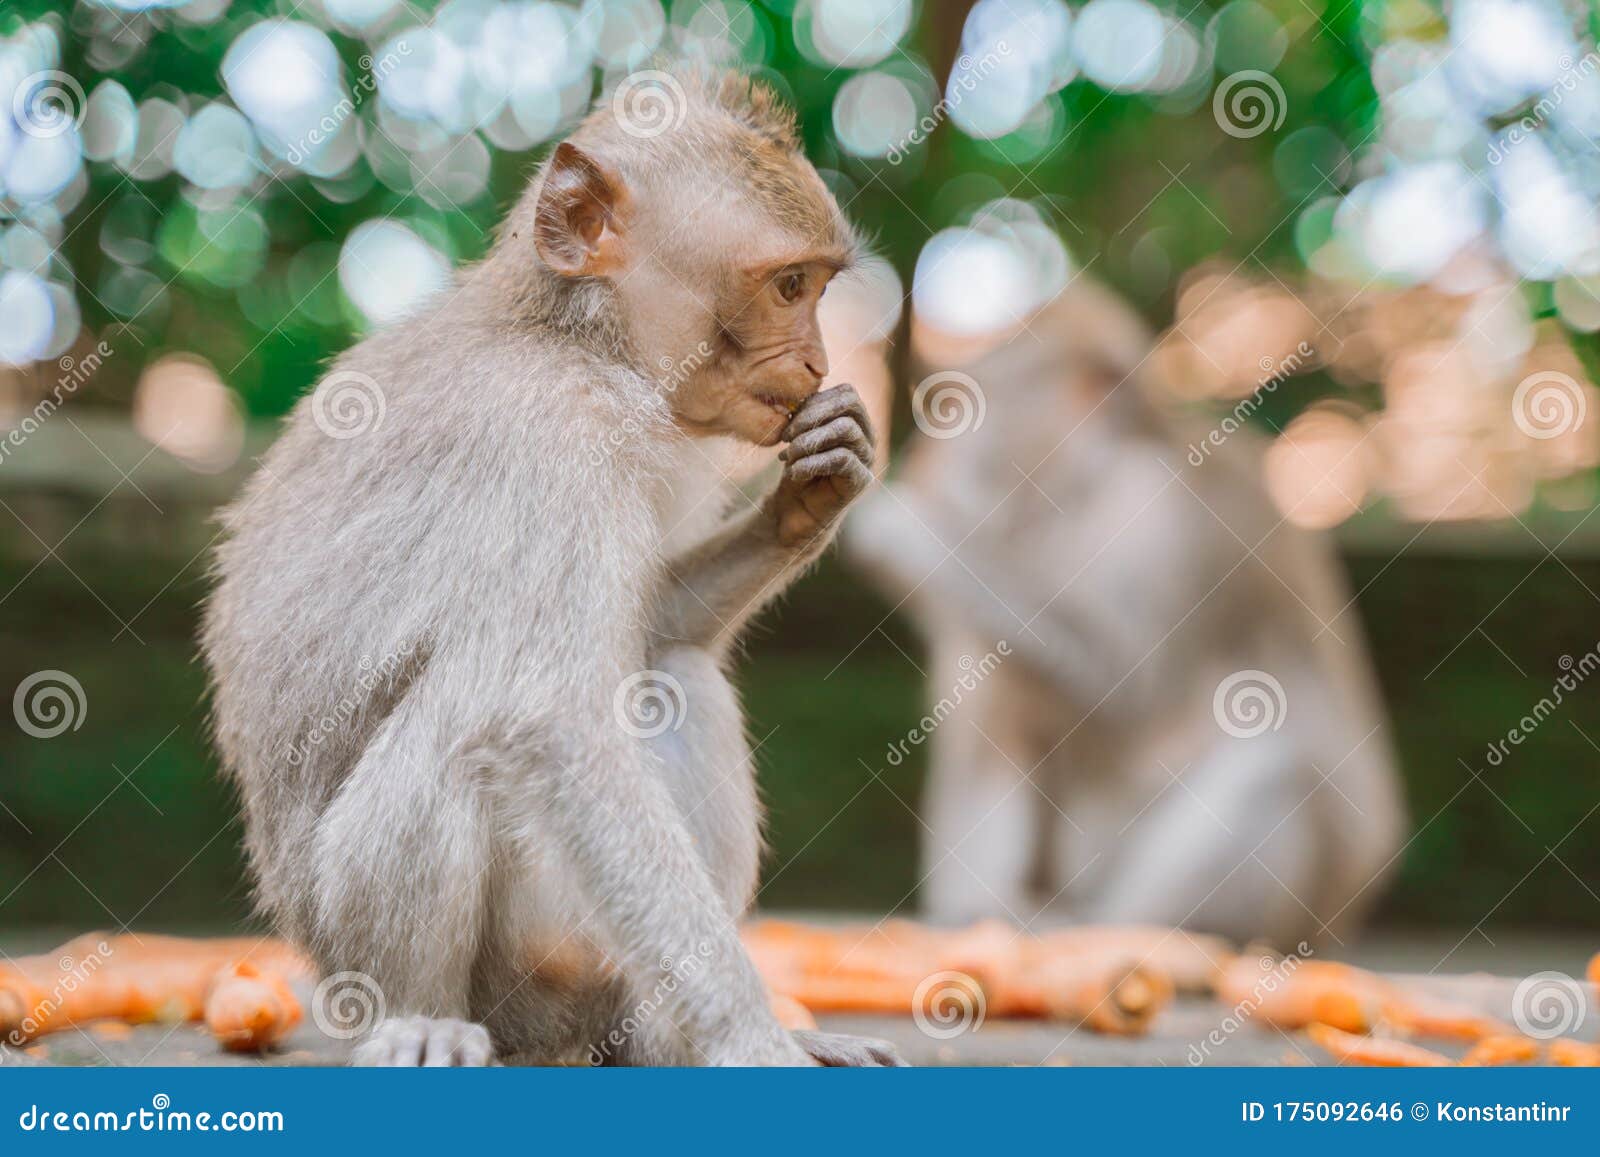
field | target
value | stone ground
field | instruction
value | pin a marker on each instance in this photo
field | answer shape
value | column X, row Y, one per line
column 1179, row 1037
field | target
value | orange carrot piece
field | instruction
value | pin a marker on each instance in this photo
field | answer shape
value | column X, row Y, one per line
column 1502, row 1050
column 1191, row 960
column 127, row 978
column 1296, row 993
column 1594, row 969
column 249, row 1010
column 1575, row 1054
column 1440, row 1019
column 1003, row 972
column 1369, row 1050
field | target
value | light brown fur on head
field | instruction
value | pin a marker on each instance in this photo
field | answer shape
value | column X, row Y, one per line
column 697, row 250
column 674, row 247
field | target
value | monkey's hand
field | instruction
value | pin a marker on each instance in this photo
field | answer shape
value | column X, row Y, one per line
column 828, row 463
column 838, row 1051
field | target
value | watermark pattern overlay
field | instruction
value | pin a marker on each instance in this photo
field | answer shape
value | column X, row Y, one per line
column 1576, row 671
column 1274, row 373
column 948, row 404
column 1547, row 1005
column 1528, row 125
column 675, row 973
column 1249, row 703
column 1275, row 974
column 74, row 373
column 48, row 104
column 674, row 373
column 374, row 674
column 649, row 103
column 76, row 971
column 974, row 672
column 1548, row 404
column 367, row 80
column 1248, row 103
column 347, row 1005
column 967, row 75
column 948, row 1004
column 348, row 404
column 49, row 703
column 650, row 703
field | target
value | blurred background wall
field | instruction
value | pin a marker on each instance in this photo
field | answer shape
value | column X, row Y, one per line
column 1367, row 229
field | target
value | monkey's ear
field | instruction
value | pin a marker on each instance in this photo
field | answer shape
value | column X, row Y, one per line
column 578, row 226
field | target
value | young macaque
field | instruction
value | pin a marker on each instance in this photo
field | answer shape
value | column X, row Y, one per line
column 468, row 656
column 1169, row 734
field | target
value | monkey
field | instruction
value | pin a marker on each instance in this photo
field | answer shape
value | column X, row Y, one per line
column 507, row 521
column 1180, row 725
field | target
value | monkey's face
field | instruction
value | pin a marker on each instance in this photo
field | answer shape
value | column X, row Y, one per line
column 767, row 357
column 717, row 278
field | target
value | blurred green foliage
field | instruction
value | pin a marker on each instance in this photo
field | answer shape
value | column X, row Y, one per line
column 126, row 821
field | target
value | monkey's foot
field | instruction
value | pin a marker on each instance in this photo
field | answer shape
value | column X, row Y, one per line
column 404, row 1042
column 839, row 1051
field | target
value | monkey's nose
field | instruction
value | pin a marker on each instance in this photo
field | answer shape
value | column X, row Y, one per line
column 816, row 372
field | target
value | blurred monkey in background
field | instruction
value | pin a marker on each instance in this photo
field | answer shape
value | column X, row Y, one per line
column 1180, row 725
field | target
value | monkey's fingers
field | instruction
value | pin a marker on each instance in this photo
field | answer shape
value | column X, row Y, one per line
column 836, row 463
column 845, row 432
column 826, row 405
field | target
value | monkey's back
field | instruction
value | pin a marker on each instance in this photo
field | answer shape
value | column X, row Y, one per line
column 360, row 555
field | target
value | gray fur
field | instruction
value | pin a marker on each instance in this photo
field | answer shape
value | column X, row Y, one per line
column 478, row 832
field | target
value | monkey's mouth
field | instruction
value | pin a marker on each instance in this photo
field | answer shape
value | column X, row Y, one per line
column 785, row 409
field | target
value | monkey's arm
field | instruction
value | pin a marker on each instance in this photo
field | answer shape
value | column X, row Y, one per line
column 717, row 586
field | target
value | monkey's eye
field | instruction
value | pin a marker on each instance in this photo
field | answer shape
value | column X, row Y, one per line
column 791, row 285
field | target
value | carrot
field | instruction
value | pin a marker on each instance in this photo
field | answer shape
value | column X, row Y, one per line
column 127, row 978
column 249, row 1010
column 1502, row 1050
column 1295, row 993
column 1191, row 960
column 1594, row 969
column 1370, row 1050
column 893, row 967
column 1437, row 1018
column 1574, row 1054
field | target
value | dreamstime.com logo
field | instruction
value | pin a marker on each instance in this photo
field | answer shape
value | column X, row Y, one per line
column 947, row 404
column 1574, row 672
column 74, row 373
column 346, row 1005
column 49, row 703
column 1548, row 404
column 337, row 718
column 1249, row 703
column 649, row 103
column 964, row 79
column 674, row 372
column 347, row 404
column 973, row 672
column 47, row 104
column 367, row 80
column 1248, row 103
column 73, row 972
column 674, row 974
column 1547, row 1005
column 1273, row 374
column 650, row 703
column 948, row 1004
column 1275, row 974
